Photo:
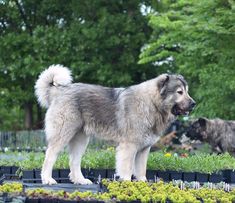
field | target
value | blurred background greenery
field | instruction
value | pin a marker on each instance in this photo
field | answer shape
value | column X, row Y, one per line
column 116, row 43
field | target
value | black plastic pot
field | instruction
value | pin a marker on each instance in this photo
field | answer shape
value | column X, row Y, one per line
column 216, row 177
column 176, row 175
column 164, row 175
column 7, row 197
column 168, row 201
column 2, row 178
column 151, row 174
column 14, row 169
column 202, row 177
column 67, row 201
column 95, row 173
column 189, row 176
column 229, row 176
column 85, row 172
column 28, row 200
column 64, row 176
column 55, row 174
column 110, row 173
column 37, row 175
column 28, row 175
column 6, row 169
column 48, row 201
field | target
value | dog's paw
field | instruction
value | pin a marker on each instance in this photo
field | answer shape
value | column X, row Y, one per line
column 49, row 181
column 83, row 181
column 142, row 178
column 125, row 177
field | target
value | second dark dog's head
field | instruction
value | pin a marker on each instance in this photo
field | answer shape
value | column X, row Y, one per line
column 198, row 129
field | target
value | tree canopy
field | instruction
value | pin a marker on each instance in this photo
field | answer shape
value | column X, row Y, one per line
column 102, row 42
column 196, row 39
column 99, row 40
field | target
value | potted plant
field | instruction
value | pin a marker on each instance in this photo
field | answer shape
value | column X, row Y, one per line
column 216, row 177
column 64, row 176
column 189, row 176
column 229, row 175
column 151, row 174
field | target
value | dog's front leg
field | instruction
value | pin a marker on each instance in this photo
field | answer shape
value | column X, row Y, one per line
column 125, row 158
column 141, row 164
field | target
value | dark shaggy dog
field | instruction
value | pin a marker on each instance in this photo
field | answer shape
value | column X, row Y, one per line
column 220, row 134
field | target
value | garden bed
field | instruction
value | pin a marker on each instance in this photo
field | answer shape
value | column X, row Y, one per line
column 61, row 176
column 125, row 191
column 201, row 167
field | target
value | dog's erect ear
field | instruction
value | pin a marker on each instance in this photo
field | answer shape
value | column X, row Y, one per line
column 162, row 81
column 181, row 77
column 202, row 122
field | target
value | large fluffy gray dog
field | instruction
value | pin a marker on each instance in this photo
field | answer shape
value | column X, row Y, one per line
column 133, row 117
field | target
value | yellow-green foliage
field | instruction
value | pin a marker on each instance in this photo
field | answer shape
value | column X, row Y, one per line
column 159, row 192
column 11, row 187
column 130, row 191
column 145, row 192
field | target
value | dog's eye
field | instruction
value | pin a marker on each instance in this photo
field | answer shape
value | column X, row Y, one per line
column 180, row 92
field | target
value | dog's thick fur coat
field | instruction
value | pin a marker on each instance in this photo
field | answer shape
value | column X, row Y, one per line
column 133, row 117
column 220, row 134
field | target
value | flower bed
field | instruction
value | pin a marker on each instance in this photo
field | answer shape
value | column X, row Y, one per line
column 61, row 176
column 125, row 191
column 202, row 163
column 201, row 167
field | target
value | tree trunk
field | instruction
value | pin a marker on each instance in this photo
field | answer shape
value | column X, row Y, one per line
column 39, row 124
column 28, row 119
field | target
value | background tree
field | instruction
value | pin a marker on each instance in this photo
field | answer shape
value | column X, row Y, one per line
column 99, row 40
column 198, row 37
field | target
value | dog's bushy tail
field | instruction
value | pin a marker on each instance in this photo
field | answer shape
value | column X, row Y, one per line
column 50, row 80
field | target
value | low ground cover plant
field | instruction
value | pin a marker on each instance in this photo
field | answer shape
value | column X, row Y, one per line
column 160, row 192
column 105, row 159
column 14, row 187
column 11, row 158
column 130, row 191
column 204, row 163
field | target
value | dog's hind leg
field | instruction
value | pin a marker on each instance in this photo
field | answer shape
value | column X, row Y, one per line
column 60, row 129
column 50, row 158
column 125, row 158
column 77, row 147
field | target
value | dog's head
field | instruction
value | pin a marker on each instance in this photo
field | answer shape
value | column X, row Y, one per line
column 174, row 93
column 198, row 129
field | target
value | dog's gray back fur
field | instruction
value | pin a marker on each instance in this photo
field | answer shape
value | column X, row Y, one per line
column 114, row 113
column 139, row 113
